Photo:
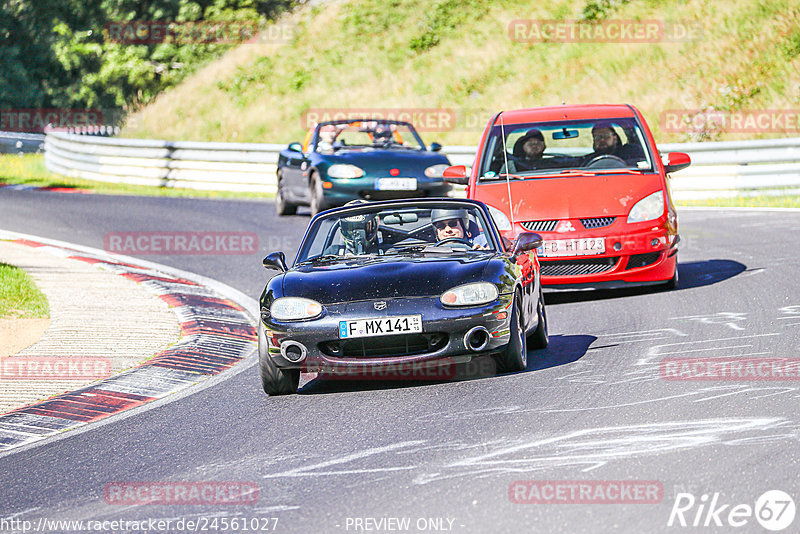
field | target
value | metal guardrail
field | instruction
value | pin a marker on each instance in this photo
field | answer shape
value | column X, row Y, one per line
column 20, row 143
column 718, row 168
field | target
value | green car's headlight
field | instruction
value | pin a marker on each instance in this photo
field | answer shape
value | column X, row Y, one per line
column 473, row 294
column 436, row 171
column 344, row 170
column 294, row 309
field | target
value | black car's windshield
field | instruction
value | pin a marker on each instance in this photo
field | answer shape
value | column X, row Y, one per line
column 366, row 135
column 450, row 228
column 565, row 147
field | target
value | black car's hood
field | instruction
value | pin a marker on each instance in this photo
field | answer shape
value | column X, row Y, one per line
column 364, row 279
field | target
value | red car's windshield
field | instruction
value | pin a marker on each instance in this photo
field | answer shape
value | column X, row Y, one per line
column 571, row 148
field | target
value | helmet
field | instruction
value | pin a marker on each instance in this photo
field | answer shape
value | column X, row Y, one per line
column 382, row 134
column 445, row 214
column 359, row 232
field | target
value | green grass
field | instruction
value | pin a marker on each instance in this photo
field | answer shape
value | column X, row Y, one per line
column 765, row 201
column 29, row 169
column 413, row 54
column 19, row 296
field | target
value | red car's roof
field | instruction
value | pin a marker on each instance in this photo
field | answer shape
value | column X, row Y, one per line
column 555, row 113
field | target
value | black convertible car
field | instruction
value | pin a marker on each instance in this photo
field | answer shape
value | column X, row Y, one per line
column 400, row 286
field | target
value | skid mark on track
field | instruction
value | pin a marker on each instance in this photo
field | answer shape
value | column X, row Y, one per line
column 723, row 344
column 587, row 449
column 730, row 319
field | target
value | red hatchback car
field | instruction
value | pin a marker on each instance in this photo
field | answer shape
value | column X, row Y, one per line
column 591, row 182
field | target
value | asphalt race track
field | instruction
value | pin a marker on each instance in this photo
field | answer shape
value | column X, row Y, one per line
column 592, row 407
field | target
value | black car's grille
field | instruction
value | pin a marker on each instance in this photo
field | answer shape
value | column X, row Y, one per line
column 385, row 346
column 577, row 267
column 539, row 226
column 641, row 260
column 597, row 222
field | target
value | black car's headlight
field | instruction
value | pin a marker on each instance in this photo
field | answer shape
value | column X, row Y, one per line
column 345, row 170
column 294, row 309
column 473, row 294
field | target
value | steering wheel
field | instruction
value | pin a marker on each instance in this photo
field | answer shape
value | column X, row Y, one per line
column 454, row 240
column 602, row 162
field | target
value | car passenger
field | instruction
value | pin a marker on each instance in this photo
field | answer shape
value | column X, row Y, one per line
column 382, row 135
column 360, row 235
column 528, row 153
column 454, row 224
column 327, row 136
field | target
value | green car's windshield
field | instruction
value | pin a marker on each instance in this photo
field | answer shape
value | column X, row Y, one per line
column 371, row 134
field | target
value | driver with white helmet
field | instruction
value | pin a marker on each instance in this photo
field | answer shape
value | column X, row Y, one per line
column 453, row 224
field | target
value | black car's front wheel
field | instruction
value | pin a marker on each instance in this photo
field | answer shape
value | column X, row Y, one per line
column 274, row 380
column 514, row 356
column 318, row 202
column 539, row 339
column 282, row 206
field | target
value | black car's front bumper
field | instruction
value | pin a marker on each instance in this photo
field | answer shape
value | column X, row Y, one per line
column 315, row 345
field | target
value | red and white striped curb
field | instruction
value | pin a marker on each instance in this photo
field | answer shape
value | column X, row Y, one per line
column 216, row 334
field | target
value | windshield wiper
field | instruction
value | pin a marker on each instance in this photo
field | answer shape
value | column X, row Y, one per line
column 595, row 172
column 415, row 247
column 322, row 258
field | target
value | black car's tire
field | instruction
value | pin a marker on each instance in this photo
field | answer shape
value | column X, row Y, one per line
column 514, row 356
column 539, row 339
column 274, row 380
column 282, row 206
column 318, row 202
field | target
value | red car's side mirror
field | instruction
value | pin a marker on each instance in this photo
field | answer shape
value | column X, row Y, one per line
column 457, row 174
column 676, row 161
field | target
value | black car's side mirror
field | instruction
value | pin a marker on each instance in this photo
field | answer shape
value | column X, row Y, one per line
column 435, row 147
column 295, row 147
column 276, row 260
column 526, row 241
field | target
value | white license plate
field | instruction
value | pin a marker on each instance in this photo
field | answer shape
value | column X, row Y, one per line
column 572, row 247
column 396, row 184
column 383, row 326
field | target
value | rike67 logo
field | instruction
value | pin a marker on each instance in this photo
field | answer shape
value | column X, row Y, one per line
column 774, row 510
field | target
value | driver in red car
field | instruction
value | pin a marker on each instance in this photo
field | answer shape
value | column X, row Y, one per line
column 606, row 142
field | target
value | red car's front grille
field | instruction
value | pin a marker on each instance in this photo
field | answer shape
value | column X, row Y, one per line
column 577, row 267
column 597, row 222
column 539, row 226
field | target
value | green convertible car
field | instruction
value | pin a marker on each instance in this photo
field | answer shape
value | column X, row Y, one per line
column 369, row 159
